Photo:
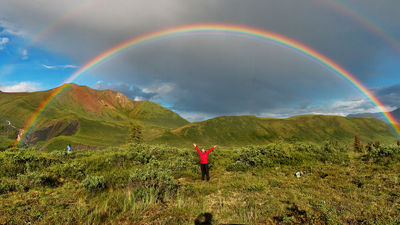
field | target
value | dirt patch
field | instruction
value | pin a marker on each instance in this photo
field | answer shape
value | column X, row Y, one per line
column 88, row 98
column 96, row 101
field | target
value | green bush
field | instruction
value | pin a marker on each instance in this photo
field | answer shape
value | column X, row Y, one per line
column 74, row 169
column 153, row 177
column 59, row 154
column 283, row 154
column 382, row 153
column 7, row 186
column 17, row 161
column 144, row 153
column 94, row 183
column 263, row 156
column 36, row 179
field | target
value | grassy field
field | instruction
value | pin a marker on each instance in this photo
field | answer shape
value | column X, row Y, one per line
column 158, row 184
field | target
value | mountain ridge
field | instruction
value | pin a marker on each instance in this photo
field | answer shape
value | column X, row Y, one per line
column 106, row 114
column 259, row 130
column 85, row 116
column 395, row 113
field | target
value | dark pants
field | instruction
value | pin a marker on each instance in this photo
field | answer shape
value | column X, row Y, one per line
column 204, row 171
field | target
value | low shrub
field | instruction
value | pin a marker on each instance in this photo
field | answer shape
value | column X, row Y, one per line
column 94, row 183
column 18, row 161
column 283, row 154
column 74, row 169
column 381, row 153
column 36, row 179
column 262, row 156
column 7, row 186
column 153, row 177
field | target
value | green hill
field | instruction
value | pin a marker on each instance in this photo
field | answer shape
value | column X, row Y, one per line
column 88, row 118
column 82, row 115
column 239, row 130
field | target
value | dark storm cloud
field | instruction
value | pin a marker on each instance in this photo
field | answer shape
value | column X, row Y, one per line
column 217, row 79
column 97, row 25
column 390, row 96
column 218, row 74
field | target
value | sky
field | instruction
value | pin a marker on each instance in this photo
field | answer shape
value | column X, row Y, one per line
column 200, row 76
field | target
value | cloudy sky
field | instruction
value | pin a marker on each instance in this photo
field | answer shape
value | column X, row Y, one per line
column 43, row 42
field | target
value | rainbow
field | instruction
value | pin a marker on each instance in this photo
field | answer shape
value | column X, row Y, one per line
column 59, row 21
column 362, row 19
column 46, row 30
column 220, row 28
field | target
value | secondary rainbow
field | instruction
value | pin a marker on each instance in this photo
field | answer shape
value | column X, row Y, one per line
column 50, row 28
column 229, row 29
column 366, row 21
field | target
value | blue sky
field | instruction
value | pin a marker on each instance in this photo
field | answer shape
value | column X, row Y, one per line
column 207, row 75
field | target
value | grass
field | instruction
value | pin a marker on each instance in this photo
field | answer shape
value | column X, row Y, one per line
column 246, row 130
column 159, row 184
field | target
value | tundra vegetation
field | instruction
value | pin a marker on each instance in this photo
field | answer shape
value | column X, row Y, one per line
column 137, row 183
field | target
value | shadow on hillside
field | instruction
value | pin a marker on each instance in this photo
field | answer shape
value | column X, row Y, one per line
column 207, row 219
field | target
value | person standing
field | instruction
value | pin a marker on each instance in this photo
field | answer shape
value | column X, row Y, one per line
column 204, row 161
column 69, row 148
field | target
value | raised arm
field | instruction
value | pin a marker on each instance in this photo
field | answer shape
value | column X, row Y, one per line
column 210, row 150
column 197, row 148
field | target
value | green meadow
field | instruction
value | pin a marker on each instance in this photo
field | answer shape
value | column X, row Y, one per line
column 160, row 184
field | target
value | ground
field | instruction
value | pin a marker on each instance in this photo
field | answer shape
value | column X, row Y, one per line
column 141, row 184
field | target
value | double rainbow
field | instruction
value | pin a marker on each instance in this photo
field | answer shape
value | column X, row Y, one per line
column 221, row 28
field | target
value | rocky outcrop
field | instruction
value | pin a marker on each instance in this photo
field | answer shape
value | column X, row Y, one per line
column 59, row 128
column 20, row 134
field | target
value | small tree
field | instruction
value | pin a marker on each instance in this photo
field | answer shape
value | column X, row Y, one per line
column 398, row 142
column 368, row 147
column 135, row 133
column 357, row 144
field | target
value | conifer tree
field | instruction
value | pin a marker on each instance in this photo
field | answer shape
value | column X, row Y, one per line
column 357, row 144
column 135, row 133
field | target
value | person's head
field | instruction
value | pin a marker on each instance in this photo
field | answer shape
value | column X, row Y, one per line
column 203, row 150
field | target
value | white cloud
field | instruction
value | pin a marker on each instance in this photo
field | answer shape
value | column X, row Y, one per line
column 20, row 87
column 8, row 28
column 139, row 98
column 342, row 107
column 68, row 66
column 24, row 54
column 160, row 89
column 3, row 42
column 48, row 67
column 131, row 91
column 195, row 117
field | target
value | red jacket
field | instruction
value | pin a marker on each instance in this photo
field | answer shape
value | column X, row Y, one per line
column 204, row 156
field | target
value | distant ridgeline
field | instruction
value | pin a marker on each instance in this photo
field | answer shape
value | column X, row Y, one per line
column 395, row 113
column 87, row 117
